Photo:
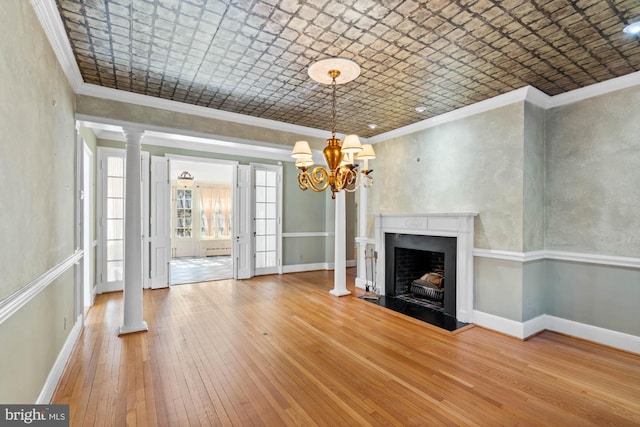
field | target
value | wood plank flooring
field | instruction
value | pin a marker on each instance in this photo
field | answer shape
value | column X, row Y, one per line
column 280, row 350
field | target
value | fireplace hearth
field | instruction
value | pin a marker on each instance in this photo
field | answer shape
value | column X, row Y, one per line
column 410, row 257
column 426, row 243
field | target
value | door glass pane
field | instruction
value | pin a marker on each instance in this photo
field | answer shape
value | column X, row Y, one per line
column 114, row 215
column 265, row 218
column 115, row 270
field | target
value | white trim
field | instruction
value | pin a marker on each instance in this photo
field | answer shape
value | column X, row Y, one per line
column 544, row 322
column 300, row 268
column 51, row 23
column 53, row 27
column 597, row 334
column 508, row 98
column 509, row 255
column 597, row 89
column 183, row 158
column 18, row 299
column 458, row 225
column 164, row 136
column 110, row 287
column 610, row 260
column 618, row 261
column 310, row 234
column 499, row 324
column 57, row 370
column 211, row 113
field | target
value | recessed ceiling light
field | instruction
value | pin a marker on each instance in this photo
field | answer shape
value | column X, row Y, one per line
column 632, row 29
column 372, row 125
column 421, row 109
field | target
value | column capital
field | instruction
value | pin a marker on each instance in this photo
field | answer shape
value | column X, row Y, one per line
column 133, row 135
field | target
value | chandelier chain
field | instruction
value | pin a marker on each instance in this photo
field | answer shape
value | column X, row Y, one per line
column 333, row 108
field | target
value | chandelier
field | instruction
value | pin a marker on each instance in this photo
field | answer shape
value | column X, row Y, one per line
column 341, row 172
column 185, row 179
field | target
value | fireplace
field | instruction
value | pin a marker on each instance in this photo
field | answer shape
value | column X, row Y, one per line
column 422, row 267
column 449, row 235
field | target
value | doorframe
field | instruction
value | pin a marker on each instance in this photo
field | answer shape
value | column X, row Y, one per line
column 88, row 225
column 195, row 159
column 101, row 189
column 279, row 209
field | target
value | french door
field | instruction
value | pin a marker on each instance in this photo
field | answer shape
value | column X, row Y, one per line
column 267, row 223
column 111, row 197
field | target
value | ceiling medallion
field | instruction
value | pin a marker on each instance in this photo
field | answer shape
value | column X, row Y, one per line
column 341, row 172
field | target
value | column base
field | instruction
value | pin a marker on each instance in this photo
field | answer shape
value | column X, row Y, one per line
column 339, row 292
column 141, row 327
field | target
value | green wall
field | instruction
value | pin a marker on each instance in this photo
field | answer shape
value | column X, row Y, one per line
column 592, row 205
column 474, row 164
column 37, row 170
column 303, row 211
column 563, row 179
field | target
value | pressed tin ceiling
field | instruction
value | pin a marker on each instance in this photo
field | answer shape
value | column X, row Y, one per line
column 251, row 57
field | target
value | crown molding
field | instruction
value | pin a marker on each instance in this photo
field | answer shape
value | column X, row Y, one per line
column 49, row 17
column 597, row 89
column 196, row 110
column 189, row 140
column 53, row 27
column 508, row 98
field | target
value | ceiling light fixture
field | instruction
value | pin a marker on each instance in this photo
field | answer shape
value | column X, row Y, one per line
column 372, row 126
column 421, row 109
column 185, row 179
column 341, row 173
column 632, row 29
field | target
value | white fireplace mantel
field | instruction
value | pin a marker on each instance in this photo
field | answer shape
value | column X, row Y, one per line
column 458, row 225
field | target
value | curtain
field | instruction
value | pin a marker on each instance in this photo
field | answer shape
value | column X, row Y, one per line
column 225, row 207
column 208, row 196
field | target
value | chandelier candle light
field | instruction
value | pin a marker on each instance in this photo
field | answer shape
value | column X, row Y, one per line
column 185, row 179
column 341, row 173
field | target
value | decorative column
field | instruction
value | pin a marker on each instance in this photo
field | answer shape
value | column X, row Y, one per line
column 340, row 260
column 132, row 321
column 362, row 240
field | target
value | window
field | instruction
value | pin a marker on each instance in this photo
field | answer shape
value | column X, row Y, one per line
column 115, row 218
column 184, row 212
column 266, row 218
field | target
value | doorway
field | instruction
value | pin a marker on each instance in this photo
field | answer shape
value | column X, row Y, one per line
column 201, row 220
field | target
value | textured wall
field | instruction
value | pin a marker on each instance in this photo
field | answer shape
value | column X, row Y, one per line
column 164, row 118
column 498, row 287
column 533, row 178
column 37, row 163
column 598, row 295
column 473, row 164
column 303, row 211
column 593, row 158
column 38, row 185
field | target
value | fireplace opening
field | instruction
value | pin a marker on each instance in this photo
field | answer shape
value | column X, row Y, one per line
column 422, row 270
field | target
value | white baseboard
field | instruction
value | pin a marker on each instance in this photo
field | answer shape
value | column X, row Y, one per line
column 522, row 330
column 299, row 268
column 500, row 324
column 603, row 336
column 61, row 362
column 111, row 287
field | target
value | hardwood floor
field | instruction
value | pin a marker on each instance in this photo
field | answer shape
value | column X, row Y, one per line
column 280, row 350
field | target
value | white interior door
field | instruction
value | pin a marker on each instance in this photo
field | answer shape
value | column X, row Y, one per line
column 87, row 226
column 267, row 231
column 242, row 224
column 160, row 234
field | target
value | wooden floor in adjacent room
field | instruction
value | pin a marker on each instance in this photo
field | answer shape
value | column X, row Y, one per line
column 280, row 350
